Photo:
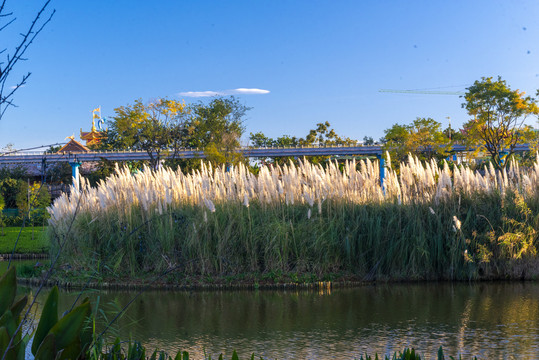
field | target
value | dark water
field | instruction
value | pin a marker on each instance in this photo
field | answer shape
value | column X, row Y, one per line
column 487, row 320
column 490, row 320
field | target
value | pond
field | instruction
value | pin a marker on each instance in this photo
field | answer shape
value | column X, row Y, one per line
column 489, row 320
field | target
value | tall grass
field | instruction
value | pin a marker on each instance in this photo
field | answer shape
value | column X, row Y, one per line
column 427, row 223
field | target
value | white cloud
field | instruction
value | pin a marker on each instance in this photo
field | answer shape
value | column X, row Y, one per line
column 239, row 91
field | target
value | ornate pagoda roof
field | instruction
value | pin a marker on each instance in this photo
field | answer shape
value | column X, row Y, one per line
column 93, row 137
column 73, row 146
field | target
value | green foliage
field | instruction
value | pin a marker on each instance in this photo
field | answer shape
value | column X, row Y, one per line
column 2, row 204
column 34, row 200
column 385, row 241
column 9, row 188
column 499, row 114
column 31, row 241
column 60, row 172
column 322, row 135
column 423, row 138
column 216, row 128
column 153, row 127
column 17, row 172
column 164, row 127
column 10, row 318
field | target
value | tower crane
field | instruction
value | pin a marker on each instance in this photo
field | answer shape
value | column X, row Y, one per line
column 429, row 92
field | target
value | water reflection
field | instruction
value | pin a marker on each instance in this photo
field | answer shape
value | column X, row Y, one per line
column 491, row 320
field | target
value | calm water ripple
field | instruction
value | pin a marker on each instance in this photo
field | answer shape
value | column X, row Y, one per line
column 490, row 320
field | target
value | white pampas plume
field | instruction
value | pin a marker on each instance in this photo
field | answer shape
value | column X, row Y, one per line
column 457, row 223
column 309, row 214
column 245, row 200
column 210, row 205
column 432, row 211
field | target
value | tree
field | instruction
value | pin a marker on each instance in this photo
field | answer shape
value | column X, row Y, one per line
column 7, row 21
column 33, row 199
column 2, row 204
column 499, row 114
column 216, row 128
column 322, row 135
column 423, row 138
column 325, row 135
column 368, row 141
column 426, row 139
column 156, row 127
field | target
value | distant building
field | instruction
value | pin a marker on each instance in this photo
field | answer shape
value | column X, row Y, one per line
column 94, row 137
column 73, row 146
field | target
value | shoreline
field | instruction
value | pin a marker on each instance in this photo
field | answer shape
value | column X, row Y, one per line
column 253, row 285
column 24, row 256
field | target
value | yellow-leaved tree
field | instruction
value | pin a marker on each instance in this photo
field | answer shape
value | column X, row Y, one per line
column 499, row 114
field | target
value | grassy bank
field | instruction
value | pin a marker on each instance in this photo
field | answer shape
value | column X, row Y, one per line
column 430, row 223
column 31, row 241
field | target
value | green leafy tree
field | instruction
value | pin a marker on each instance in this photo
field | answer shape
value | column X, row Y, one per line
column 216, row 128
column 260, row 140
column 325, row 135
column 322, row 135
column 423, row 138
column 395, row 142
column 157, row 128
column 499, row 114
column 9, row 188
column 368, row 141
column 33, row 199
column 2, row 204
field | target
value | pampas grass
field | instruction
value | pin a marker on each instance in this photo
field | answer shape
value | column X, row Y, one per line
column 428, row 222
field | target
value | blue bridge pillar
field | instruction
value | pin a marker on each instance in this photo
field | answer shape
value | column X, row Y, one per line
column 503, row 155
column 382, row 162
column 75, row 172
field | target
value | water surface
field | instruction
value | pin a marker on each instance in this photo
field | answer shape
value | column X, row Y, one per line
column 489, row 320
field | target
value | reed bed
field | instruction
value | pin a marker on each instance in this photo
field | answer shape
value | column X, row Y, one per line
column 427, row 222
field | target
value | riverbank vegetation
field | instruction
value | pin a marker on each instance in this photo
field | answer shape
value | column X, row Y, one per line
column 425, row 223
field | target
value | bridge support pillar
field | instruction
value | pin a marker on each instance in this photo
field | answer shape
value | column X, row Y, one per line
column 382, row 163
column 75, row 172
column 503, row 156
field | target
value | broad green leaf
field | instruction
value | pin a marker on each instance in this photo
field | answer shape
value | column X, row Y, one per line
column 4, row 339
column 49, row 317
column 72, row 351
column 7, row 321
column 67, row 329
column 8, row 289
column 19, row 305
column 21, row 354
column 47, row 349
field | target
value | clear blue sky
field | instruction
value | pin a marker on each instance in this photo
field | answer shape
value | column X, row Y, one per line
column 319, row 60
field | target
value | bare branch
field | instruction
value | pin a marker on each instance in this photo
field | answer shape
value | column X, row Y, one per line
column 36, row 26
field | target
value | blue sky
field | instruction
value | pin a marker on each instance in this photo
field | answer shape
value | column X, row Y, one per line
column 316, row 60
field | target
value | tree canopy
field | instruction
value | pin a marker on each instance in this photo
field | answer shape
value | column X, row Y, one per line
column 154, row 127
column 165, row 126
column 423, row 137
column 498, row 117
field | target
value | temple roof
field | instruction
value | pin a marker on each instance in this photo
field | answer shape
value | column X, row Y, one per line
column 73, row 146
column 93, row 137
